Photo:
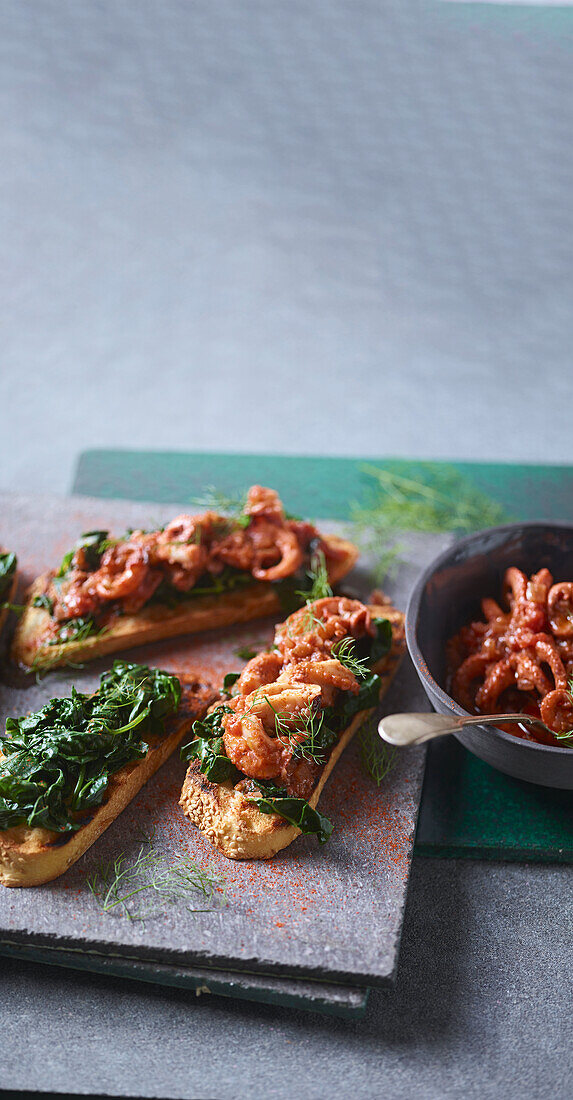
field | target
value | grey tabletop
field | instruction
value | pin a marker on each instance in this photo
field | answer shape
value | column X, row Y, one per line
column 300, row 227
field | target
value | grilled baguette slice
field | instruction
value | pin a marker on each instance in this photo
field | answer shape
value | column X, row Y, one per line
column 237, row 828
column 156, row 621
column 32, row 856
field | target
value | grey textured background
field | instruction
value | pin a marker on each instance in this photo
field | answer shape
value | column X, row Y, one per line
column 301, row 226
column 337, row 227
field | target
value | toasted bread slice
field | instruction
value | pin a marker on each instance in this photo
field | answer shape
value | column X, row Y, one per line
column 32, row 856
column 156, row 621
column 236, row 827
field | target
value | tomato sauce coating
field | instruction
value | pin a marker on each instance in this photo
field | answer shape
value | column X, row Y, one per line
column 519, row 658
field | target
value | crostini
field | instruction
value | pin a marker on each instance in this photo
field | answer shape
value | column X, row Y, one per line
column 197, row 573
column 69, row 770
column 259, row 761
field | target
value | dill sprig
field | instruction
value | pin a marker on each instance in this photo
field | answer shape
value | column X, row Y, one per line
column 376, row 756
column 311, row 725
column 426, row 498
column 318, row 576
column 567, row 736
column 215, row 500
column 345, row 652
column 140, row 888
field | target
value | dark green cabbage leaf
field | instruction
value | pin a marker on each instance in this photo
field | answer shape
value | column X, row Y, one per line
column 296, row 811
column 58, row 762
column 8, row 564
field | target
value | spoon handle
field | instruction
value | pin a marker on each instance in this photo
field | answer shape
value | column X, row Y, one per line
column 413, row 729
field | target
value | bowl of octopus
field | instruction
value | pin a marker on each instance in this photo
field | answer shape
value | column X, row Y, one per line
column 489, row 627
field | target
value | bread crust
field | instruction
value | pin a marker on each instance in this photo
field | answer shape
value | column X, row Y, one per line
column 235, row 826
column 32, row 856
column 156, row 621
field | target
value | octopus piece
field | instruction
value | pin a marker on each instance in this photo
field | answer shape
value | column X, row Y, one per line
column 547, row 652
column 514, row 587
column 76, row 598
column 268, row 541
column 311, row 632
column 264, row 502
column 492, row 611
column 182, row 549
column 529, row 674
column 328, row 612
column 263, row 669
column 498, row 678
column 527, row 651
column 557, row 711
column 235, row 550
column 256, row 731
column 528, row 599
column 297, row 776
column 122, row 570
column 560, row 609
column 331, row 676
column 472, row 669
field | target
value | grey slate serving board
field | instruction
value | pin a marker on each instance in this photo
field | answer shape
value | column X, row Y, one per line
column 323, row 914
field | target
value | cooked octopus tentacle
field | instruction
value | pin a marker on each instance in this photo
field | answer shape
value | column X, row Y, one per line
column 123, row 568
column 282, row 541
column 528, row 649
column 256, row 731
column 262, row 669
column 557, row 710
column 560, row 609
column 471, row 670
column 498, row 677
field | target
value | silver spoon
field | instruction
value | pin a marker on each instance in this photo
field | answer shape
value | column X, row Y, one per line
column 412, row 729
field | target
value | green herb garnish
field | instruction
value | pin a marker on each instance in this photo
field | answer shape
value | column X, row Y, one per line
column 93, row 543
column 140, row 888
column 339, row 717
column 296, row 811
column 382, row 642
column 207, row 747
column 76, row 630
column 425, row 498
column 376, row 756
column 8, row 563
column 208, row 585
column 345, row 652
column 44, row 602
column 318, row 587
column 245, row 653
column 57, row 763
column 317, row 737
column 232, row 507
column 229, row 680
column 567, row 736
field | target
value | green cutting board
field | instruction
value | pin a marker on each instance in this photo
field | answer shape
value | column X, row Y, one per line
column 468, row 808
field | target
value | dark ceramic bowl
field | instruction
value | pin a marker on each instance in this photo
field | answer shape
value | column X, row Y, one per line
column 448, row 595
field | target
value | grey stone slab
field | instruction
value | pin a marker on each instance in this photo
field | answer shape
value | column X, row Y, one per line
column 331, row 912
column 330, row 998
